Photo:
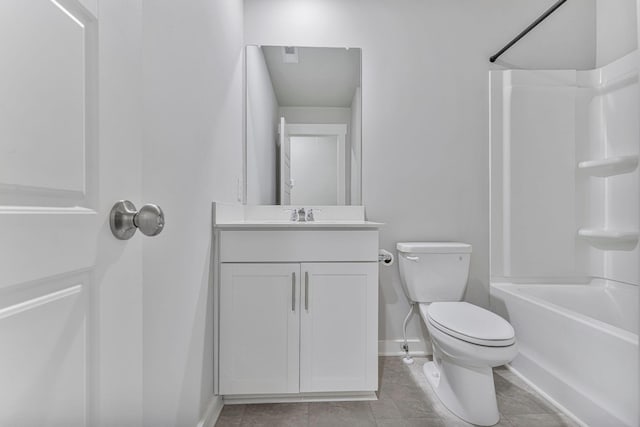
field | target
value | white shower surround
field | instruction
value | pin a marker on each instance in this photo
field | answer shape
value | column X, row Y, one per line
column 552, row 217
column 564, row 219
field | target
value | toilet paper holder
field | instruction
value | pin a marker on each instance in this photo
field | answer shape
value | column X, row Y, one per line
column 386, row 257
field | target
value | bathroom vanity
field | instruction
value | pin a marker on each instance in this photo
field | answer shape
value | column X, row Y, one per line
column 296, row 304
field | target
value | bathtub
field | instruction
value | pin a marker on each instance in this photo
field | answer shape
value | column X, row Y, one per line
column 578, row 345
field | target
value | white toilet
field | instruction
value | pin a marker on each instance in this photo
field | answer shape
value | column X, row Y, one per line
column 468, row 341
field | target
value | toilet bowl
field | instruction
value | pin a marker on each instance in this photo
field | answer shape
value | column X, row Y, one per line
column 467, row 340
column 465, row 350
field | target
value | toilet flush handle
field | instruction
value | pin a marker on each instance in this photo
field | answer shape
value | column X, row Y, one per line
column 412, row 258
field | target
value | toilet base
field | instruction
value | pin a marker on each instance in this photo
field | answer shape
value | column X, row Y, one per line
column 468, row 392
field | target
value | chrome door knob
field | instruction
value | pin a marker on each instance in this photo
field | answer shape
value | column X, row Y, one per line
column 149, row 220
column 124, row 220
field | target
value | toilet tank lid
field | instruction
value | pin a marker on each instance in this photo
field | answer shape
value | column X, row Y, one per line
column 434, row 247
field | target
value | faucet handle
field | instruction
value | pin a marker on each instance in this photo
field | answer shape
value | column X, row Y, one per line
column 294, row 214
column 310, row 213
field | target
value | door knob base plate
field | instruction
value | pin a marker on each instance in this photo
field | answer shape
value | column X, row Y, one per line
column 121, row 220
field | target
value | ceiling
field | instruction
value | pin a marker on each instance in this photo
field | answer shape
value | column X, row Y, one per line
column 323, row 77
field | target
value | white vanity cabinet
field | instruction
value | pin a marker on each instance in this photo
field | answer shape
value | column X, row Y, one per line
column 298, row 312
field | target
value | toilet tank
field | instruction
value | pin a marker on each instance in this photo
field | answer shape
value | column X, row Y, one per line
column 434, row 271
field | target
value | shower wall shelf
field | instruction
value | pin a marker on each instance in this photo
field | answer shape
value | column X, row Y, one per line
column 610, row 166
column 599, row 236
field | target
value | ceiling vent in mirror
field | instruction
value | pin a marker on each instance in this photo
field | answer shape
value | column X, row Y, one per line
column 290, row 54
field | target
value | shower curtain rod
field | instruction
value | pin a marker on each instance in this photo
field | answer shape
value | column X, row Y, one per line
column 526, row 30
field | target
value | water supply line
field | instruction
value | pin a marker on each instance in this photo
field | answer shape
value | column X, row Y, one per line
column 386, row 258
column 407, row 359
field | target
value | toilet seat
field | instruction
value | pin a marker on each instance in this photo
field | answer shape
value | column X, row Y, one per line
column 469, row 323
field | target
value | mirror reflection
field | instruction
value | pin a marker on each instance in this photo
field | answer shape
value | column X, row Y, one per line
column 303, row 126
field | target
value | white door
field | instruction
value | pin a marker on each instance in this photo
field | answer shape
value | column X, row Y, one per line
column 285, row 163
column 317, row 162
column 259, row 328
column 314, row 170
column 338, row 327
column 70, row 293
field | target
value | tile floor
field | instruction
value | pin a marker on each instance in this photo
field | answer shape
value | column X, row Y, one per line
column 404, row 399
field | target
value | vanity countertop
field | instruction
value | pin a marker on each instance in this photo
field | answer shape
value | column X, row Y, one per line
column 261, row 217
column 270, row 224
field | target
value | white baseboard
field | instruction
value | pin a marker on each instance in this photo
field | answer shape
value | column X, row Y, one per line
column 300, row 397
column 212, row 413
column 417, row 347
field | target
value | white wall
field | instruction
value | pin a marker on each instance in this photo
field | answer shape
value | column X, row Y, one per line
column 616, row 30
column 320, row 115
column 192, row 155
column 262, row 130
column 425, row 107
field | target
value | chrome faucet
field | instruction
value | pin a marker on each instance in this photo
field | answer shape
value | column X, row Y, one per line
column 301, row 214
column 302, row 217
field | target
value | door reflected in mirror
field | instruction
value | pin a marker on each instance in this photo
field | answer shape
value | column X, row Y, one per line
column 303, row 126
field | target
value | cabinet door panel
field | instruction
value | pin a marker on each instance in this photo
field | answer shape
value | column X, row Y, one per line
column 339, row 328
column 259, row 328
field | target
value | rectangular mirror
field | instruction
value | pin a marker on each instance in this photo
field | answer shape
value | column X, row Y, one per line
column 303, row 139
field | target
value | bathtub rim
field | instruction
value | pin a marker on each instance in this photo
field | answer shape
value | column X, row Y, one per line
column 508, row 287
